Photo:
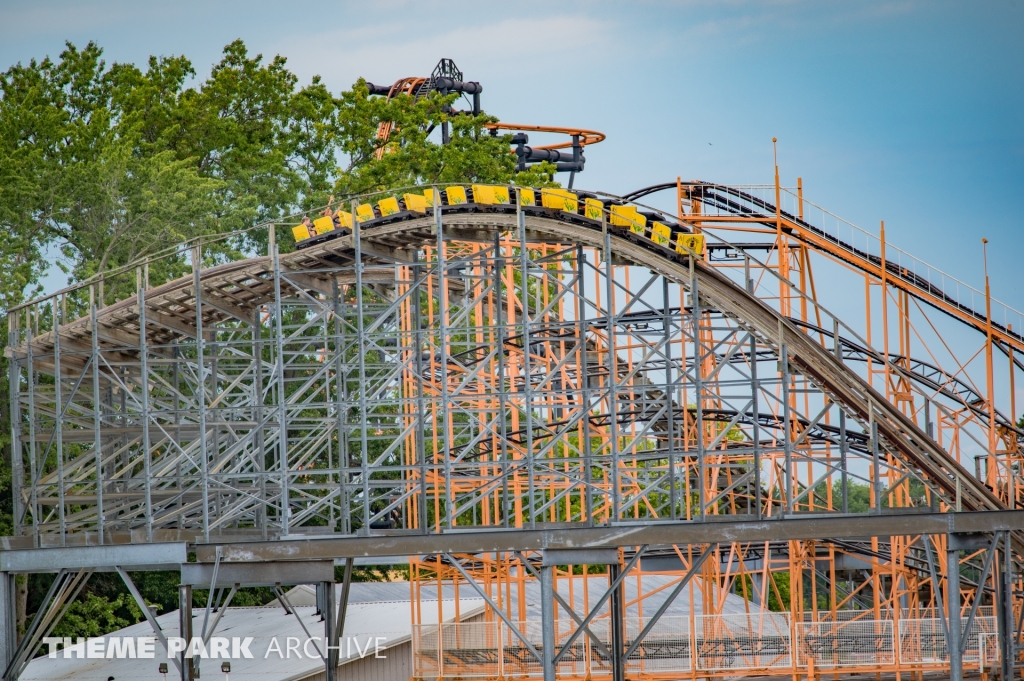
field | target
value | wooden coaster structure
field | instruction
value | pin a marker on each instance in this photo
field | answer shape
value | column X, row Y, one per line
column 475, row 376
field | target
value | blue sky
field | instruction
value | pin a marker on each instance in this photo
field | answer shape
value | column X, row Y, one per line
column 904, row 111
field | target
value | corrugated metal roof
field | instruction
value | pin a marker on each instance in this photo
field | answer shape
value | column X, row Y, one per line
column 365, row 592
column 368, row 616
column 655, row 587
column 375, row 609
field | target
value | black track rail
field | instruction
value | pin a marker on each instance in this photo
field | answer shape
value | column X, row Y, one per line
column 745, row 205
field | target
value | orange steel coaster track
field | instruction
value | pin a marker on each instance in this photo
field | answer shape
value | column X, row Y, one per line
column 448, row 79
column 648, row 445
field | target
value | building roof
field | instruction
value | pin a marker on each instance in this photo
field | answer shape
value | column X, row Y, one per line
column 376, row 609
column 655, row 588
column 369, row 616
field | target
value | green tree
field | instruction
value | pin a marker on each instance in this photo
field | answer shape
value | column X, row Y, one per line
column 408, row 156
column 93, row 615
column 105, row 164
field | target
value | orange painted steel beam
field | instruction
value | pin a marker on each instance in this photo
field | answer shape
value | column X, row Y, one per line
column 586, row 136
column 892, row 279
column 871, row 268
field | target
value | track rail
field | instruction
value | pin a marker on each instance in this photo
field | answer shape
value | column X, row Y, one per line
column 744, row 205
column 234, row 292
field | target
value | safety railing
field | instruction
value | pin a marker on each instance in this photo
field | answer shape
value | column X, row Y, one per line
column 759, row 201
column 860, row 643
column 717, row 644
column 741, row 642
column 923, row 641
column 954, row 292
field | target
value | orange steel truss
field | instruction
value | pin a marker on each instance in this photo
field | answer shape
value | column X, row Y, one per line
column 514, row 362
column 842, row 607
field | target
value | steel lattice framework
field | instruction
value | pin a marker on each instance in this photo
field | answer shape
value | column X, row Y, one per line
column 500, row 366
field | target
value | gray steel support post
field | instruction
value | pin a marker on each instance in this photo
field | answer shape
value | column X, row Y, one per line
column 97, row 414
column 32, row 453
column 257, row 399
column 843, row 449
column 442, row 354
column 417, row 273
column 547, row 608
column 339, row 624
column 17, row 453
column 330, row 631
column 613, row 424
column 58, row 424
column 500, row 331
column 1006, row 623
column 204, row 460
column 282, row 398
column 214, row 445
column 179, row 483
column 524, row 299
column 698, row 388
column 756, row 589
column 332, row 520
column 144, row 375
column 8, row 619
column 364, row 452
column 341, row 379
column 618, row 643
column 188, row 671
column 550, row 556
column 954, row 635
column 584, row 387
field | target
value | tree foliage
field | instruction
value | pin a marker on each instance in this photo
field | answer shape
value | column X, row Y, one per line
column 103, row 164
column 110, row 163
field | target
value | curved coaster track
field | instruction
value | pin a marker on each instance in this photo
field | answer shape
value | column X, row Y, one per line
column 553, row 401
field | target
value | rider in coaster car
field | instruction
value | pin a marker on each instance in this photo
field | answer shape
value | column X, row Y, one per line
column 327, row 211
column 339, row 222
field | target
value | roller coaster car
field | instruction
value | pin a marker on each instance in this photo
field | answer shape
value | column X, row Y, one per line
column 584, row 208
column 490, row 195
column 324, row 229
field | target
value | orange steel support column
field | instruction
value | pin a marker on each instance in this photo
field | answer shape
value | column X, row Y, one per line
column 885, row 316
column 679, row 198
column 781, row 247
column 800, row 197
column 990, row 477
column 1014, row 452
column 894, row 580
column 1013, row 391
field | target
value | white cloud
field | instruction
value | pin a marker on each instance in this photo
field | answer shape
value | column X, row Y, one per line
column 524, row 49
column 49, row 18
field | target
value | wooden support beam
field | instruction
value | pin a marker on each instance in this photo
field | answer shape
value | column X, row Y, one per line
column 157, row 317
column 309, row 282
column 226, row 307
